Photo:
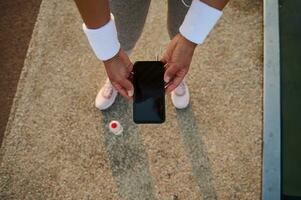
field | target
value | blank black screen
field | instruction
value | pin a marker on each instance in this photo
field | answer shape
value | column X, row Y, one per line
column 149, row 95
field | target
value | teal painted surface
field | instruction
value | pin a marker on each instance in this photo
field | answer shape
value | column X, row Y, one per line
column 290, row 58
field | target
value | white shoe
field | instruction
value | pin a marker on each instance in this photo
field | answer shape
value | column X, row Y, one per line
column 180, row 96
column 106, row 96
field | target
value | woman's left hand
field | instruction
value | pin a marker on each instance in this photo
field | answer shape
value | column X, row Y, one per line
column 177, row 59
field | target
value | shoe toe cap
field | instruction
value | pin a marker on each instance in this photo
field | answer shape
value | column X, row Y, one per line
column 102, row 103
column 180, row 102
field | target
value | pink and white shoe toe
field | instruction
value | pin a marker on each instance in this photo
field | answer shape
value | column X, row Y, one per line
column 106, row 96
column 180, row 96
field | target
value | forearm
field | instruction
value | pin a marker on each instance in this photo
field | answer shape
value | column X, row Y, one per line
column 95, row 13
column 218, row 4
column 99, row 27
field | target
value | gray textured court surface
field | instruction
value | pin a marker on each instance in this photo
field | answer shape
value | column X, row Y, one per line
column 57, row 145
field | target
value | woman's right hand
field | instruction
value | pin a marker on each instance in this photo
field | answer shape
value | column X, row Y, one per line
column 119, row 70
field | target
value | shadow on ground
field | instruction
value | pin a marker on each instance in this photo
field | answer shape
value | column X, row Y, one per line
column 129, row 160
column 196, row 152
column 127, row 155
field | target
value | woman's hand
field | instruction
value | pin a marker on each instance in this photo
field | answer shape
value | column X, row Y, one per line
column 119, row 70
column 177, row 57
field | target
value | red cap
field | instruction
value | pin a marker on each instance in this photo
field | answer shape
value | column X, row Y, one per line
column 114, row 125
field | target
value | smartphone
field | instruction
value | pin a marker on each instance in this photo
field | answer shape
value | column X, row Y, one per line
column 149, row 93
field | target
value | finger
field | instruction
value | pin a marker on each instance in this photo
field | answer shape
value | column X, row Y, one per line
column 130, row 67
column 165, row 68
column 176, row 81
column 121, row 90
column 128, row 86
column 170, row 72
column 164, row 59
column 174, row 84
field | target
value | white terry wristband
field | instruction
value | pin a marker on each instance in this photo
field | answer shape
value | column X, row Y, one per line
column 199, row 21
column 104, row 40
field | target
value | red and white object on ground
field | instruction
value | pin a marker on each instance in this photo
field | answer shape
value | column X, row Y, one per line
column 115, row 127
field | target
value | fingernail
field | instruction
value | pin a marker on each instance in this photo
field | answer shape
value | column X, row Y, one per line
column 167, row 79
column 130, row 93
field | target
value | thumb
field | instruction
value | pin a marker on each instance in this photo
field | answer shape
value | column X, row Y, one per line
column 164, row 59
column 170, row 72
column 128, row 86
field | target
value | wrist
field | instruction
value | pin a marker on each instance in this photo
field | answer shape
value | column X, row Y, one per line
column 187, row 42
column 104, row 40
column 114, row 58
column 199, row 21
